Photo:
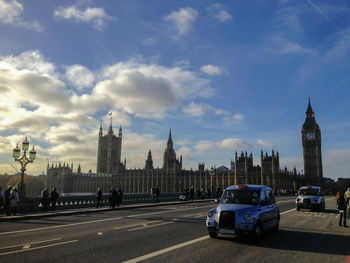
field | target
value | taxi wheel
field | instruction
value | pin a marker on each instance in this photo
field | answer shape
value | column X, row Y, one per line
column 298, row 208
column 213, row 234
column 258, row 233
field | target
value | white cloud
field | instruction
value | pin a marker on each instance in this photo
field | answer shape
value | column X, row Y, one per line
column 234, row 144
column 66, row 123
column 183, row 20
column 219, row 13
column 265, row 144
column 223, row 16
column 198, row 110
column 336, row 163
column 283, row 46
column 97, row 16
column 238, row 117
column 10, row 14
column 211, row 70
column 203, row 146
column 80, row 76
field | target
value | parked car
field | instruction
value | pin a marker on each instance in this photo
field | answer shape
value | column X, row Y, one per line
column 244, row 209
column 310, row 197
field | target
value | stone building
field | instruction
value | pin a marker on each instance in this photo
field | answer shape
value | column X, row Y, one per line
column 111, row 172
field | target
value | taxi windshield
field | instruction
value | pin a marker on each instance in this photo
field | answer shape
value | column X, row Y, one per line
column 309, row 192
column 241, row 196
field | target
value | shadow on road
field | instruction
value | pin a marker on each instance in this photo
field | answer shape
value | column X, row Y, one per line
column 296, row 240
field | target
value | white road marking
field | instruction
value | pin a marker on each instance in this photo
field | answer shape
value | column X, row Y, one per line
column 165, row 250
column 285, row 212
column 148, row 226
column 127, row 226
column 35, row 248
column 26, row 247
column 99, row 233
column 52, row 227
column 31, row 243
column 95, row 221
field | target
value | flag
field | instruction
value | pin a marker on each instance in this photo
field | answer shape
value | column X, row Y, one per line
column 110, row 113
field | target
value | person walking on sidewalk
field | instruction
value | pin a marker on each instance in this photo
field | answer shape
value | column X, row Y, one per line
column 14, row 200
column 112, row 198
column 53, row 198
column 157, row 194
column 45, row 198
column 341, row 205
column 2, row 200
column 119, row 196
column 98, row 198
column 192, row 193
column 7, row 200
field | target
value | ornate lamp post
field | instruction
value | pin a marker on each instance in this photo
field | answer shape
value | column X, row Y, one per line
column 23, row 160
column 212, row 173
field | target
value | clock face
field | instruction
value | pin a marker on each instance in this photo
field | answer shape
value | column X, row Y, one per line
column 309, row 135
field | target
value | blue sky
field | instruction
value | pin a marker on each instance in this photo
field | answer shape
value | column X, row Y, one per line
column 225, row 76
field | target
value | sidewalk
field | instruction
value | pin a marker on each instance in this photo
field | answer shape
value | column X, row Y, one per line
column 50, row 213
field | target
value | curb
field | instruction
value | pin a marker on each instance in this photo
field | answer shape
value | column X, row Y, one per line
column 92, row 210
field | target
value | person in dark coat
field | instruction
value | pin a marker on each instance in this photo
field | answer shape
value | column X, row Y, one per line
column 341, row 205
column 199, row 193
column 53, row 198
column 113, row 198
column 157, row 192
column 7, row 207
column 98, row 197
column 192, row 193
column 209, row 192
column 119, row 196
column 45, row 198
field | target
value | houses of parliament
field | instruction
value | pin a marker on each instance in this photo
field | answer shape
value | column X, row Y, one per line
column 171, row 177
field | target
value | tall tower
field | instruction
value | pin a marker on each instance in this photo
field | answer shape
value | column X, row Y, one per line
column 109, row 151
column 311, row 139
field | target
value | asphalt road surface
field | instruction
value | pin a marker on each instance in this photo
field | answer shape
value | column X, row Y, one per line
column 174, row 233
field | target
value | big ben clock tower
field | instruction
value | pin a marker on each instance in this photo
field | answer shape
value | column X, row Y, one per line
column 311, row 137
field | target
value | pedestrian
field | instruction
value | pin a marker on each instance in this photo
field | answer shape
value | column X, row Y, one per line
column 157, row 192
column 113, row 198
column 53, row 198
column 203, row 194
column 341, row 205
column 7, row 200
column 191, row 193
column 119, row 196
column 209, row 192
column 153, row 194
column 2, row 200
column 198, row 193
column 14, row 200
column 98, row 197
column 45, row 198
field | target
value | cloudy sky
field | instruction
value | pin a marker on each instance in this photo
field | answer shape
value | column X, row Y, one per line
column 225, row 76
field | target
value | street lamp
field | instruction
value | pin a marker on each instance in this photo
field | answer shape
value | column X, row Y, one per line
column 23, row 160
column 212, row 173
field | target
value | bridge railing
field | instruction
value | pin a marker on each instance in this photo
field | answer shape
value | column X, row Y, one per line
column 71, row 202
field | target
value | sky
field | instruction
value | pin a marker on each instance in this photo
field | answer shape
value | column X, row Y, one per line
column 224, row 76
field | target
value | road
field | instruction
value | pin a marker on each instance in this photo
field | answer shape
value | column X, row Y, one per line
column 172, row 233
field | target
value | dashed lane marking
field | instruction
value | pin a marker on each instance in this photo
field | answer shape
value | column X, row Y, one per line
column 148, row 226
column 31, row 243
column 35, row 248
column 165, row 250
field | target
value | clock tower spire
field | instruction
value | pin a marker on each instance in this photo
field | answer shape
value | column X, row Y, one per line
column 311, row 140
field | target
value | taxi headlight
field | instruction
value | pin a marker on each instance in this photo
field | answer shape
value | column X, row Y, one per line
column 210, row 214
column 247, row 217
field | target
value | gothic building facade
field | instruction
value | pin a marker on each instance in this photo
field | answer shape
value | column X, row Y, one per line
column 171, row 177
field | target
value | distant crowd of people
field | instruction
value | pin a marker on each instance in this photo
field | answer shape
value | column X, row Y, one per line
column 9, row 200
